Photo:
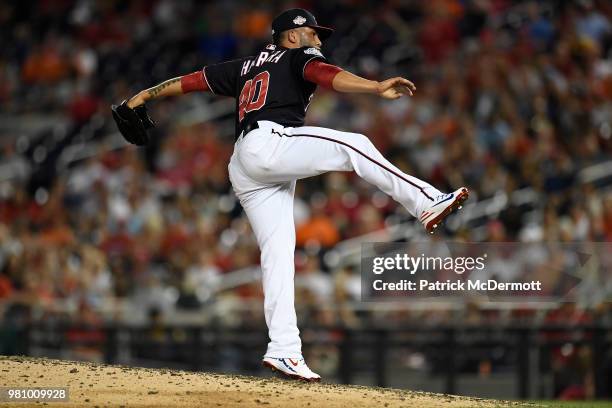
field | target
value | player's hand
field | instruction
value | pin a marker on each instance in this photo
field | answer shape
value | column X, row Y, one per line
column 136, row 100
column 394, row 88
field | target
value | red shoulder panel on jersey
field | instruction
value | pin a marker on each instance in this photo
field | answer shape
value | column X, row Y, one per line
column 194, row 82
column 321, row 73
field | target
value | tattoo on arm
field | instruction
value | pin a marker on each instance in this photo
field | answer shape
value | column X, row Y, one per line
column 156, row 90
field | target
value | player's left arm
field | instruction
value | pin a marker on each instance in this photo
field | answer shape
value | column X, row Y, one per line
column 172, row 87
column 333, row 77
column 131, row 115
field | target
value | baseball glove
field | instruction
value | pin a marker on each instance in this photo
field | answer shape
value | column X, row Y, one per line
column 133, row 123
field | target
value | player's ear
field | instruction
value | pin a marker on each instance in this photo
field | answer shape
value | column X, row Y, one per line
column 292, row 36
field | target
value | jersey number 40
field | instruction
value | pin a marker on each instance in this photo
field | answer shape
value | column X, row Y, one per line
column 253, row 94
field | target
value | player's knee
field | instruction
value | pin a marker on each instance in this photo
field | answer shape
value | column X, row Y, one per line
column 363, row 141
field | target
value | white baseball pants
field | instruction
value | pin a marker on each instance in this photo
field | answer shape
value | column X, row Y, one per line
column 263, row 171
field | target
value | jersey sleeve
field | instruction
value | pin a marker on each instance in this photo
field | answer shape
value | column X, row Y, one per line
column 222, row 78
column 302, row 56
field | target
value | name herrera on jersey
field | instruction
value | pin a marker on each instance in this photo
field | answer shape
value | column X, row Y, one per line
column 263, row 57
column 456, row 286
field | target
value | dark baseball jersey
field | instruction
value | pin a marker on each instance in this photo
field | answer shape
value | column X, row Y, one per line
column 267, row 86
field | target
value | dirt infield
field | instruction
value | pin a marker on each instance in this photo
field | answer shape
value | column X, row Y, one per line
column 117, row 386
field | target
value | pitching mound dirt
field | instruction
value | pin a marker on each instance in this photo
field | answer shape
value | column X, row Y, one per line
column 117, row 386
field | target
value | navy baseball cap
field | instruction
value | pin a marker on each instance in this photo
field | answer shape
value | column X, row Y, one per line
column 296, row 18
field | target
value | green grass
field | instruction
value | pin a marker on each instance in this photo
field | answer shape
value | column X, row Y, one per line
column 573, row 404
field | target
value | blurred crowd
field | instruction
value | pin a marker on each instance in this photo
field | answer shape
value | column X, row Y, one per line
column 510, row 96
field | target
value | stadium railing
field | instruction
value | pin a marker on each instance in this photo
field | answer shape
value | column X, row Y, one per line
column 525, row 350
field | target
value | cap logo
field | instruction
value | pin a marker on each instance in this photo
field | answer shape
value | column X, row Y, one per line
column 299, row 20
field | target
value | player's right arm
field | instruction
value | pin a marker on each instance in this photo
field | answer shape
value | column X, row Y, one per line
column 175, row 86
column 392, row 88
column 331, row 76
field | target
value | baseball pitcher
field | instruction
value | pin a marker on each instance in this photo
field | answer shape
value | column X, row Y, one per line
column 273, row 149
